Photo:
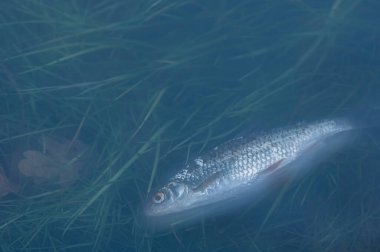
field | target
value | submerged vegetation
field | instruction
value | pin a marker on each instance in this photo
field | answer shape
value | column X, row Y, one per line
column 143, row 85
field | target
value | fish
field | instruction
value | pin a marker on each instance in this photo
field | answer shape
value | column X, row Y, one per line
column 232, row 168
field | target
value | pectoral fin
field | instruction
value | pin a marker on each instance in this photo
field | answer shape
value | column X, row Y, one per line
column 207, row 182
column 273, row 167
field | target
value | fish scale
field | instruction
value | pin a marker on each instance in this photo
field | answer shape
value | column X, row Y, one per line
column 243, row 158
column 238, row 163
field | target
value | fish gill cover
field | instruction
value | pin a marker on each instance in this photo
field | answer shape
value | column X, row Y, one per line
column 101, row 101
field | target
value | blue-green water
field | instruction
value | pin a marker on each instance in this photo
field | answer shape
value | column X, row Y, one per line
column 148, row 84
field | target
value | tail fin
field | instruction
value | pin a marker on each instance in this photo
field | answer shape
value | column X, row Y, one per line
column 367, row 112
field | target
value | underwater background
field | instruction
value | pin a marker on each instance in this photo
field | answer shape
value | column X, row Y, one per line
column 101, row 100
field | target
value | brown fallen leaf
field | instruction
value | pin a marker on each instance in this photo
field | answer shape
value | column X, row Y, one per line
column 59, row 161
column 38, row 166
column 5, row 186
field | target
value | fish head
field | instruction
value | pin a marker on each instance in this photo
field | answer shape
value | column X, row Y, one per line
column 168, row 199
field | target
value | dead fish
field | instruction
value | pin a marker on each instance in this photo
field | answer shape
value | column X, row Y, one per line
column 235, row 166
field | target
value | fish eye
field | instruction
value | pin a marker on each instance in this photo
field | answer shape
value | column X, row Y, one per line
column 159, row 197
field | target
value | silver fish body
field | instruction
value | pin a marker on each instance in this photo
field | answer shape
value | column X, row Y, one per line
column 231, row 168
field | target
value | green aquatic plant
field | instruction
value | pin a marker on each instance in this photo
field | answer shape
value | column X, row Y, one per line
column 143, row 86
